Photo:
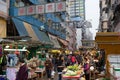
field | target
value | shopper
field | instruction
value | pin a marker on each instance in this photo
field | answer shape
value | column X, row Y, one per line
column 48, row 68
column 60, row 67
column 86, row 68
column 73, row 59
column 53, row 62
column 22, row 74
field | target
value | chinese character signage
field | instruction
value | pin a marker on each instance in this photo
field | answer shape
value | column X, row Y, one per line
column 4, row 5
column 40, row 9
column 31, row 10
column 61, row 6
column 22, row 11
column 50, row 7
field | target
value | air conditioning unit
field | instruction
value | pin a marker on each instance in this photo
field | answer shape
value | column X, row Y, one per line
column 104, row 17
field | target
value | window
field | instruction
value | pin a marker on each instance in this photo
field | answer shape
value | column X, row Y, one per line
column 48, row 1
column 4, row 0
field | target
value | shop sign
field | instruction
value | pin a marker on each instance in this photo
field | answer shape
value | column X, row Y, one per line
column 41, row 9
column 30, row 10
column 4, row 8
column 60, row 6
column 22, row 11
column 50, row 7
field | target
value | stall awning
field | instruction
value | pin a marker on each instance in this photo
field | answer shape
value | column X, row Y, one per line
column 2, row 28
column 31, row 32
column 64, row 42
column 54, row 41
column 25, row 29
column 70, row 48
column 20, row 27
column 43, row 37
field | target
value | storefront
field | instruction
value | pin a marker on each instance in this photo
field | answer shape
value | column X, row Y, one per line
column 110, row 42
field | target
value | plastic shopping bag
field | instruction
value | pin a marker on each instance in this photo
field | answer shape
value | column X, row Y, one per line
column 53, row 74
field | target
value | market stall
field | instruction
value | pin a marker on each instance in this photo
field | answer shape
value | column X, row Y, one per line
column 12, row 66
column 18, row 48
column 73, row 72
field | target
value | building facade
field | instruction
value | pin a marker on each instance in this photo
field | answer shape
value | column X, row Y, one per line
column 4, row 6
column 71, row 35
column 39, row 19
column 76, row 12
column 109, row 16
column 76, row 8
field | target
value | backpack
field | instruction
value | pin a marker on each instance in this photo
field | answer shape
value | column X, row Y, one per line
column 73, row 59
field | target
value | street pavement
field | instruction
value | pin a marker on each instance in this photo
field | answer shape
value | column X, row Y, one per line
column 55, row 78
column 45, row 77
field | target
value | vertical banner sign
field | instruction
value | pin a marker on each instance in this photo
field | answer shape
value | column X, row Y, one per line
column 50, row 7
column 61, row 6
column 4, row 5
column 30, row 10
column 22, row 11
column 40, row 9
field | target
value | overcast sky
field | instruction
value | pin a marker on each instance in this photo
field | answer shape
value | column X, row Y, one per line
column 92, row 14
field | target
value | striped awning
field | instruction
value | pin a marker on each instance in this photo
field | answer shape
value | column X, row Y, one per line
column 54, row 41
column 64, row 42
column 25, row 29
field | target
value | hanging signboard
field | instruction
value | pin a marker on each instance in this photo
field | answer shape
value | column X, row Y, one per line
column 30, row 10
column 41, row 9
column 22, row 11
column 50, row 7
column 4, row 5
column 61, row 6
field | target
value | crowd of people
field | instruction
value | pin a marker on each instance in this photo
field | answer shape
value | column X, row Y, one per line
column 84, row 58
column 55, row 63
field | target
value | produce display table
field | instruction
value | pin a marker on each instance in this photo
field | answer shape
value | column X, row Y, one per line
column 40, row 72
column 32, row 76
column 72, row 72
column 77, row 77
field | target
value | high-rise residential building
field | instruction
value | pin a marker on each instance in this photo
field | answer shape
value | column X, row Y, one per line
column 82, row 9
column 76, row 12
column 109, row 16
column 76, row 8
